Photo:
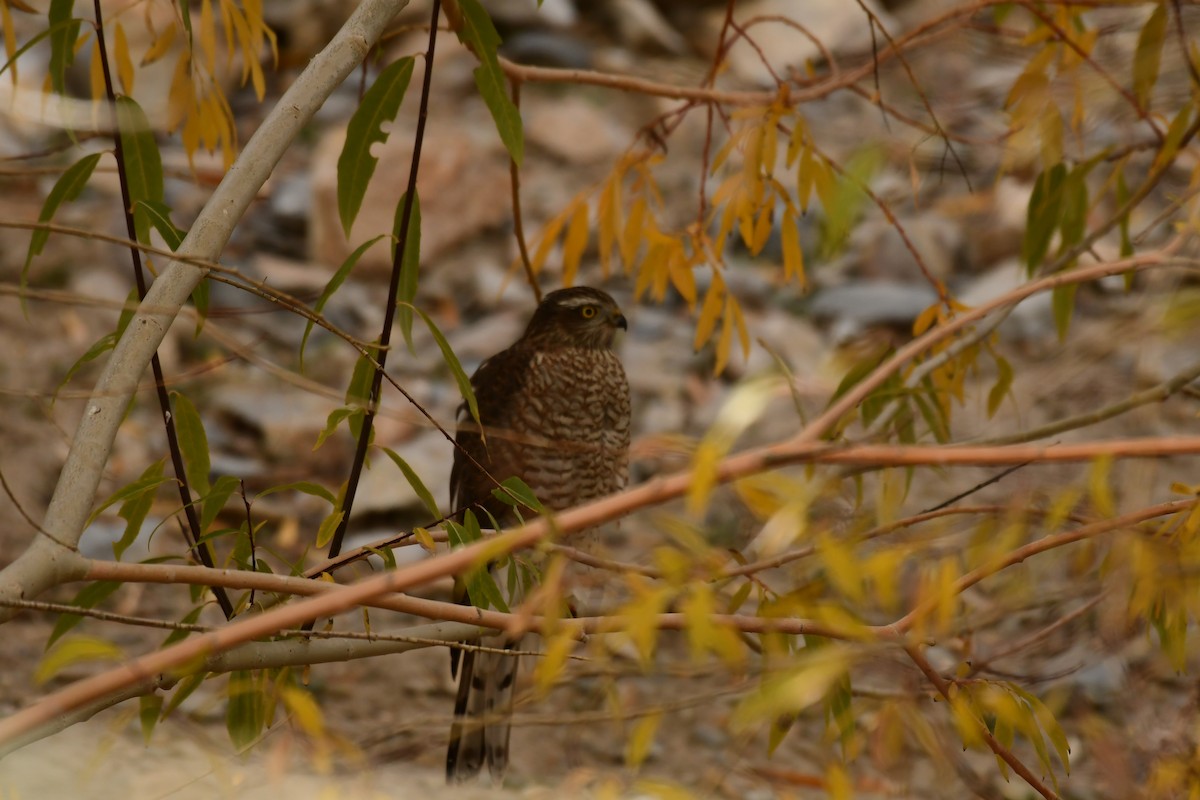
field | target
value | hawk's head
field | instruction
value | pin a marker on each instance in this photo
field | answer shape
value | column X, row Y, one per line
column 576, row 317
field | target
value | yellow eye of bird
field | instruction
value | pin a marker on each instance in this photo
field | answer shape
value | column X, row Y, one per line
column 588, row 312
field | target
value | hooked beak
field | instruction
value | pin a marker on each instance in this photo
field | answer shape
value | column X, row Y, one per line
column 618, row 321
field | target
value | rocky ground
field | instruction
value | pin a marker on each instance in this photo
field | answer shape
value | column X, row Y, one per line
column 388, row 716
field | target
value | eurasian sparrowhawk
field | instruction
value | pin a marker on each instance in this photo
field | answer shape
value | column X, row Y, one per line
column 554, row 408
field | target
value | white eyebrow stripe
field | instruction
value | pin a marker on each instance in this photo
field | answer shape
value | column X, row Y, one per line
column 576, row 302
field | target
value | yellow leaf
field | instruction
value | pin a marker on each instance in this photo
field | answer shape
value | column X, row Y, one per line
column 724, row 342
column 926, row 319
column 710, row 312
column 608, row 220
column 424, row 539
column 640, row 739
column 745, row 405
column 208, row 35
column 549, row 237
column 843, row 569
column 304, row 710
column 160, row 46
column 631, row 238
column 96, row 75
column 683, row 279
column 762, row 229
column 805, row 177
column 1099, row 488
column 551, row 664
column 124, row 62
column 837, row 783
column 793, row 254
column 808, row 683
column 72, row 650
column 735, row 310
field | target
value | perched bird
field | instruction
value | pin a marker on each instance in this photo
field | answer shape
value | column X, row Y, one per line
column 554, row 408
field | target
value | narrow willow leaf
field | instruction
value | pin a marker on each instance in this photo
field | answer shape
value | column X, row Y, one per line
column 339, row 277
column 139, row 486
column 1074, row 207
column 214, row 501
column 65, row 189
column 460, row 376
column 1043, row 216
column 999, row 390
column 102, row 345
column 356, row 165
column 514, row 491
column 328, row 527
column 193, row 443
column 414, row 480
column 641, row 738
column 75, row 650
column 332, row 421
column 478, row 33
column 89, row 596
column 1148, row 55
column 1062, row 303
column 149, row 712
column 143, row 163
column 410, row 265
column 245, row 715
column 64, row 30
column 135, row 509
column 188, row 619
column 306, row 487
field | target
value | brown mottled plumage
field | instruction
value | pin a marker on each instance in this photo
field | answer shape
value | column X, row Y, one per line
column 555, row 410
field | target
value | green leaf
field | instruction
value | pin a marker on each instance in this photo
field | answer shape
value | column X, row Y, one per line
column 66, row 189
column 89, row 596
column 102, row 345
column 460, row 376
column 193, row 443
column 1074, row 208
column 144, row 484
column 135, row 509
column 329, row 526
column 1148, row 55
column 334, row 284
column 514, row 491
column 158, row 214
column 414, row 480
column 149, row 712
column 64, row 30
column 478, row 33
column 306, row 487
column 1043, row 216
column 189, row 619
column 214, row 501
column 332, row 421
column 143, row 164
column 1062, row 302
column 246, row 715
column 358, row 392
column 187, row 685
column 999, row 390
column 479, row 581
column 75, row 650
column 1126, row 242
column 410, row 265
column 356, row 165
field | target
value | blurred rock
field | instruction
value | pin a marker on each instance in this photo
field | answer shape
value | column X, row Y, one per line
column 383, row 487
column 576, row 131
column 839, row 25
column 463, row 184
column 548, row 49
column 1030, row 320
column 852, row 309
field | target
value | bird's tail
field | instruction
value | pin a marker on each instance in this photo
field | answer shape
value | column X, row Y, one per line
column 482, row 714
